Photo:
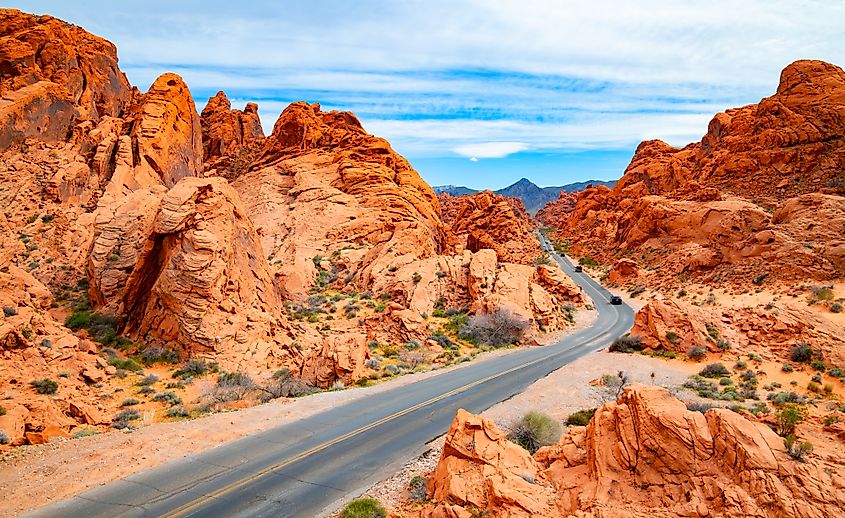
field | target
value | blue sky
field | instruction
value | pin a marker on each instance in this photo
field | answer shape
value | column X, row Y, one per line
column 479, row 92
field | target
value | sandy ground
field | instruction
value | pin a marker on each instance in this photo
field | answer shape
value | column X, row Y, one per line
column 559, row 394
column 34, row 476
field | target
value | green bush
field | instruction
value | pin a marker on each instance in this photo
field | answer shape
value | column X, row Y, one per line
column 787, row 368
column 795, row 449
column 363, row 508
column 2, row 410
column 534, row 431
column 45, row 386
column 696, row 406
column 417, row 488
column 696, row 352
column 130, row 402
column 9, row 311
column 627, row 344
column 836, row 307
column 714, row 370
column 127, row 364
column 178, row 411
column 788, row 417
column 193, row 368
column 801, row 353
column 673, row 337
column 581, row 417
column 818, row 365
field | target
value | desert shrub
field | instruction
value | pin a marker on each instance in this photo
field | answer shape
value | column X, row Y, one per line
column 130, row 402
column 121, row 420
column 146, row 390
column 193, row 368
column 588, row 261
column 178, row 411
column 168, row 397
column 627, row 344
column 795, row 449
column 831, row 419
column 818, row 365
column 787, row 368
column 413, row 359
column 725, row 381
column 702, row 387
column 802, row 353
column 759, row 279
column 784, row 397
column 127, row 364
column 412, row 345
column 723, row 344
column 740, row 365
column 534, row 431
column 2, row 411
column 836, row 372
column 373, row 363
column 699, row 406
column 155, row 354
column 712, row 331
column 714, row 370
column 497, row 328
column 174, row 385
column 391, row 370
column 813, row 387
column 4, row 437
column 9, row 311
column 673, row 337
column 83, row 432
column 45, row 386
column 231, row 386
column 417, row 488
column 836, row 307
column 581, row 417
column 443, row 341
column 696, row 352
column 822, row 292
column 149, row 379
column 416, row 277
column 284, row 384
column 788, row 417
column 828, row 389
column 817, row 378
column 363, row 508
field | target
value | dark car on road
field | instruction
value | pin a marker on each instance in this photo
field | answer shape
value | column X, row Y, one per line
column 616, row 300
column 579, row 269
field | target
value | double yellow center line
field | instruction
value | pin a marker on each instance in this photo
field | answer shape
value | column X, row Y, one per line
column 189, row 507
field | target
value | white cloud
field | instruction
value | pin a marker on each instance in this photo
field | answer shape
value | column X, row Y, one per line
column 473, row 159
column 489, row 149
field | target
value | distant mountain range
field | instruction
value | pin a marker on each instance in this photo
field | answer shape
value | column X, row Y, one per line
column 532, row 196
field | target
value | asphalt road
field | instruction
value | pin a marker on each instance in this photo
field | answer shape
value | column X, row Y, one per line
column 305, row 468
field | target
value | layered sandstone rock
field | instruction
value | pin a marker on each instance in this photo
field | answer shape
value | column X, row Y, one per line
column 644, row 455
column 710, row 204
column 555, row 212
column 488, row 220
column 671, row 324
column 230, row 138
column 54, row 74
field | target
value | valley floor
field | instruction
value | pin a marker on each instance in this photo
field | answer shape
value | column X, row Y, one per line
column 35, row 476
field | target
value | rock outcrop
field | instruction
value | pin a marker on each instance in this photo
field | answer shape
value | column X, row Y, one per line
column 487, row 220
column 54, row 74
column 231, row 139
column 644, row 455
column 554, row 213
column 673, row 325
column 711, row 204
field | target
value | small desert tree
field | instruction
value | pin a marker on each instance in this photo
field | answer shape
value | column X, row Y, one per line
column 497, row 328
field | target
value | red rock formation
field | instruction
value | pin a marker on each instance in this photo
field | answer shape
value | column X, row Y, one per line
column 53, row 74
column 554, row 213
column 672, row 324
column 687, row 201
column 488, row 220
column 644, row 455
column 230, row 138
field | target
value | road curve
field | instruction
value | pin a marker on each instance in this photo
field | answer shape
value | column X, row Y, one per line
column 304, row 468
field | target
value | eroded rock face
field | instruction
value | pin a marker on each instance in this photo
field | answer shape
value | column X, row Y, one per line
column 488, row 220
column 644, row 455
column 710, row 204
column 671, row 324
column 230, row 138
column 555, row 212
column 200, row 280
column 53, row 74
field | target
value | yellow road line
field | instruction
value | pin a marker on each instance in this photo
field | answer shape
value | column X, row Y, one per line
column 187, row 508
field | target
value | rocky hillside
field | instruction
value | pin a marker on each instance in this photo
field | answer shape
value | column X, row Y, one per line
column 760, row 195
column 643, row 455
column 487, row 220
column 139, row 234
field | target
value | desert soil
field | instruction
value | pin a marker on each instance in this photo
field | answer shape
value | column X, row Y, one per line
column 35, row 476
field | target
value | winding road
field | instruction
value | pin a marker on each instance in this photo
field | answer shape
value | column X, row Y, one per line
column 306, row 468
